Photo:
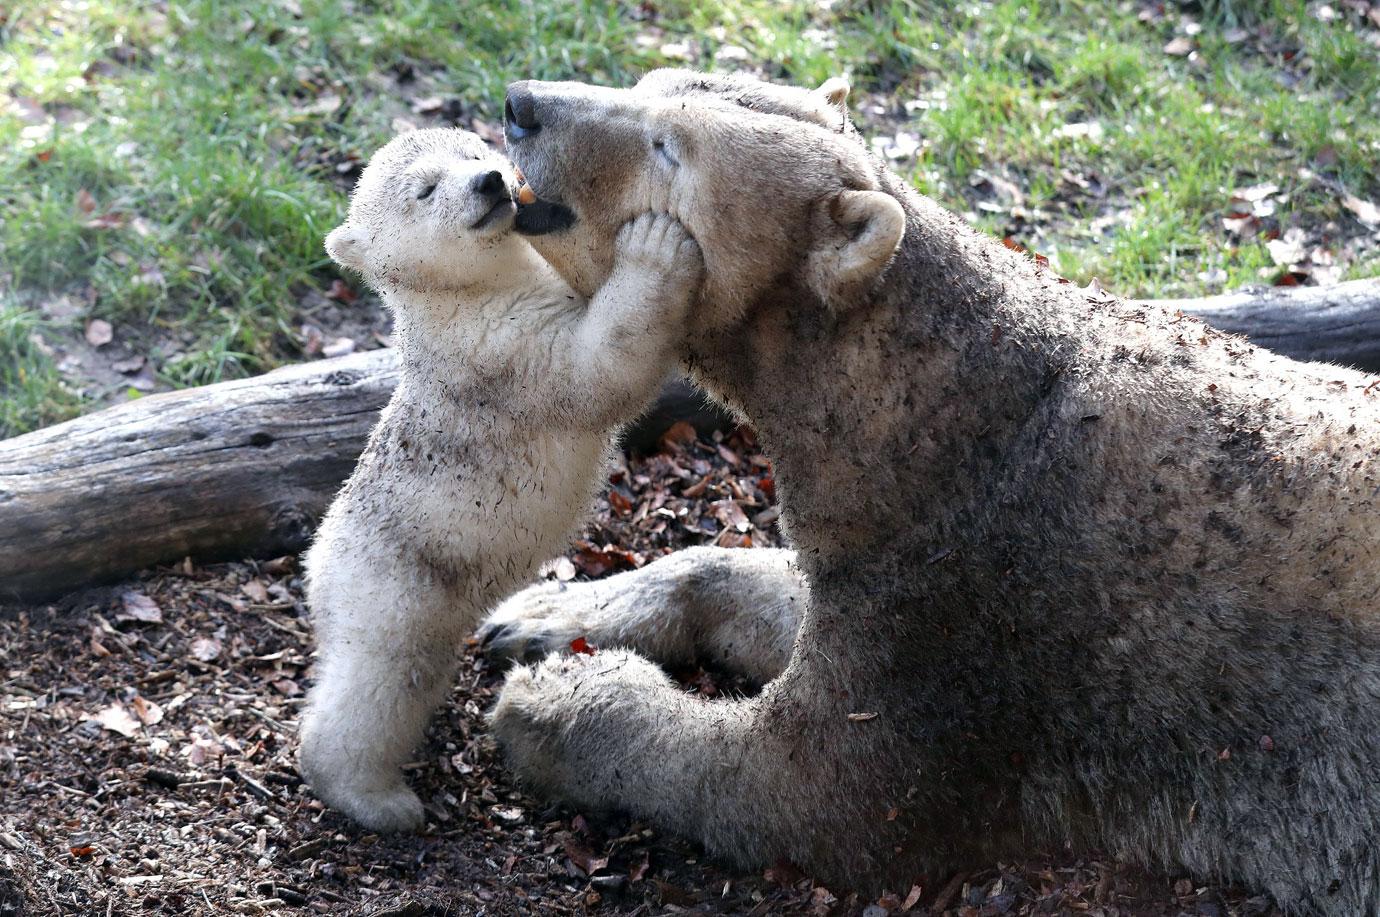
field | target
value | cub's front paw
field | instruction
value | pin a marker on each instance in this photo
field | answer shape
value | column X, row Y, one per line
column 658, row 242
column 396, row 809
column 386, row 810
column 378, row 801
column 532, row 624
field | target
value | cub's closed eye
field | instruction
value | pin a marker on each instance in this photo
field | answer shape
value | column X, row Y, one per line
column 426, row 192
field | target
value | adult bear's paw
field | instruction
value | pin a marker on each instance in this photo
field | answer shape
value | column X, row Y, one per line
column 571, row 726
column 534, row 623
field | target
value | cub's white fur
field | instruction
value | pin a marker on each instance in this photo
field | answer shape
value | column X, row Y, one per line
column 489, row 453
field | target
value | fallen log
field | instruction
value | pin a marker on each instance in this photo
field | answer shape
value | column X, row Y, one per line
column 1333, row 324
column 246, row 468
column 236, row 469
column 227, row 470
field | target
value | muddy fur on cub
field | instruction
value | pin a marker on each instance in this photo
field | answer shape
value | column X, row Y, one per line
column 1080, row 572
column 488, row 454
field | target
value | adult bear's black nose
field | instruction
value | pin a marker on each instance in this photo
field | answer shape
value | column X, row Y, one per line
column 520, row 111
column 490, row 183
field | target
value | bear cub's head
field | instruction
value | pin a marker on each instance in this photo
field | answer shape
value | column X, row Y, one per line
column 431, row 209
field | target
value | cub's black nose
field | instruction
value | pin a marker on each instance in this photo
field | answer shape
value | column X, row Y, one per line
column 520, row 111
column 490, row 183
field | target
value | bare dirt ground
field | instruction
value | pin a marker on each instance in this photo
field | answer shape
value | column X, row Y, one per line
column 146, row 761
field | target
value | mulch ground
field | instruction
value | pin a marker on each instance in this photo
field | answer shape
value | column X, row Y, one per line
column 147, row 742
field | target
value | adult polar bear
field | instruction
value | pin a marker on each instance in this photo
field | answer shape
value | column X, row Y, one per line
column 1080, row 572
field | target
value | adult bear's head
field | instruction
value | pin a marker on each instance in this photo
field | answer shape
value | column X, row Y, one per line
column 771, row 181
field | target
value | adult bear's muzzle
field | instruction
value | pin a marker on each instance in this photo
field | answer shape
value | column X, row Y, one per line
column 542, row 217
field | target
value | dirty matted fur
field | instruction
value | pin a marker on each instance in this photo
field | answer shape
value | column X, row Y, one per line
column 1079, row 571
column 488, row 454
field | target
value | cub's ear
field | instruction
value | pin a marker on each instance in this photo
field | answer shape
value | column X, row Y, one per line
column 834, row 90
column 345, row 245
column 855, row 235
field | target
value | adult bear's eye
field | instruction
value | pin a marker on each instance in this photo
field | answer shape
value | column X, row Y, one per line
column 659, row 146
column 426, row 192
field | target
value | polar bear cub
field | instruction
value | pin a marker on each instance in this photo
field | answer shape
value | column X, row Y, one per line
column 488, row 455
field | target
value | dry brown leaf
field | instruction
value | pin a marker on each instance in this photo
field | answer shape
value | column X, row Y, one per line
column 204, row 750
column 149, row 713
column 1365, row 211
column 681, row 433
column 287, row 687
column 205, row 648
column 135, row 606
column 118, row 719
column 99, row 332
column 1179, row 46
column 638, row 871
column 731, row 515
column 257, row 591
column 583, row 857
column 325, row 104
column 111, row 220
column 312, row 340
column 783, row 873
column 131, row 366
column 620, row 502
column 1240, row 225
column 596, row 562
column 696, row 489
column 889, row 902
column 1290, row 248
column 341, row 291
column 1253, row 193
column 338, row 348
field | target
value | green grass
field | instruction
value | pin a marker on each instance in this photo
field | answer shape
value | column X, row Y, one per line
column 213, row 130
column 33, row 396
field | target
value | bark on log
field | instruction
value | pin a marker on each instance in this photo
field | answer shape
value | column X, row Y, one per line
column 246, row 468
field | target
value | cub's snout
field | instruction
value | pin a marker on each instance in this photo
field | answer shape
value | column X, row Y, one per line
column 494, row 199
column 491, row 184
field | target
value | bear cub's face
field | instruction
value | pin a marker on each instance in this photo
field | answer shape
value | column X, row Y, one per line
column 427, row 206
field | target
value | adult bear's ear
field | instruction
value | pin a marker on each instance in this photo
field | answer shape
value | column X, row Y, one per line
column 834, row 90
column 856, row 233
column 345, row 245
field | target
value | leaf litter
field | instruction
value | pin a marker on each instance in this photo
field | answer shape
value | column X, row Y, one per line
column 147, row 738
